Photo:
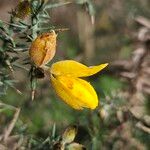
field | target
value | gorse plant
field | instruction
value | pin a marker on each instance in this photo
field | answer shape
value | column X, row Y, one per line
column 30, row 30
column 27, row 20
column 28, row 44
column 64, row 75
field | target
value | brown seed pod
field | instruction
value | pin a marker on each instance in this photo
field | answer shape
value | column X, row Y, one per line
column 43, row 48
column 22, row 10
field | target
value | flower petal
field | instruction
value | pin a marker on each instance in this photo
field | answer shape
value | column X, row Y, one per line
column 75, row 92
column 74, row 69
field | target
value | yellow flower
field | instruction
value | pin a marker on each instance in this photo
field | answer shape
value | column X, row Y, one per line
column 76, row 92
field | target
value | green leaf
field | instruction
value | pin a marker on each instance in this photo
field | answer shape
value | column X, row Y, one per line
column 50, row 6
column 1, row 24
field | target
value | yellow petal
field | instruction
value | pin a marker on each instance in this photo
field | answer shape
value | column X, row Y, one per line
column 74, row 69
column 75, row 92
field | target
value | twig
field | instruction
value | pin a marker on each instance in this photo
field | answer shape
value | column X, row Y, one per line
column 143, row 21
column 11, row 125
column 6, row 105
column 17, row 90
column 62, row 30
column 142, row 127
column 2, row 147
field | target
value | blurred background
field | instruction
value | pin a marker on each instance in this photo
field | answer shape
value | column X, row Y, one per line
column 116, row 32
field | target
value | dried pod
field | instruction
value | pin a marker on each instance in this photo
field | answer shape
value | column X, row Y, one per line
column 43, row 48
column 22, row 10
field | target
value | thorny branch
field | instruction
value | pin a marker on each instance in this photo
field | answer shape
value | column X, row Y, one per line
column 137, row 73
